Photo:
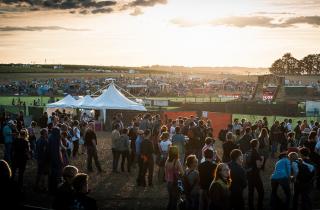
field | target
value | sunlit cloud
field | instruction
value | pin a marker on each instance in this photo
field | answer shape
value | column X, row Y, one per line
column 252, row 21
column 39, row 28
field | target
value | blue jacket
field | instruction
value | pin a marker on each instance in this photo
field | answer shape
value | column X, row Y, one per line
column 7, row 134
column 283, row 169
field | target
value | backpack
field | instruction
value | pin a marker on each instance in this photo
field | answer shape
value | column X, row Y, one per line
column 247, row 161
column 186, row 184
column 304, row 175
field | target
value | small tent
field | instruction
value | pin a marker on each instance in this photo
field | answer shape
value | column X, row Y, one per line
column 83, row 102
column 66, row 102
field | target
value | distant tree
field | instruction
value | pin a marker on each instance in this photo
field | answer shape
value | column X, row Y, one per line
column 286, row 65
column 310, row 64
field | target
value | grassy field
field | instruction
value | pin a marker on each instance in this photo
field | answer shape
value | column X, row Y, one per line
column 7, row 100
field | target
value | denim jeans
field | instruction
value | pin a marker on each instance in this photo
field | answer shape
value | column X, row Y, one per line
column 115, row 160
column 173, row 196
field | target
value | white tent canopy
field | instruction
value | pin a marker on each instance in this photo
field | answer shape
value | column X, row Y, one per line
column 66, row 102
column 112, row 98
column 85, row 101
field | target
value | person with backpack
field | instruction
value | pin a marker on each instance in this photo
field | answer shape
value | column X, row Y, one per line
column 206, row 174
column 304, row 181
column 178, row 140
column 244, row 142
column 164, row 145
column 219, row 191
column 191, row 182
column 239, row 180
column 281, row 176
column 253, row 163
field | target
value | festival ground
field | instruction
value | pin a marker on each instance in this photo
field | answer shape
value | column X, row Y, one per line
column 119, row 190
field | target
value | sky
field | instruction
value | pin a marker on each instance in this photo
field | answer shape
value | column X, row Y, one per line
column 247, row 33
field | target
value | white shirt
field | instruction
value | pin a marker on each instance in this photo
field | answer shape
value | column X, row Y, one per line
column 164, row 145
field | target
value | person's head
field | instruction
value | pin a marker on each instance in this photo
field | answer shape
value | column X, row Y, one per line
column 173, row 153
column 229, row 136
column 164, row 136
column 254, row 143
column 44, row 132
column 304, row 152
column 5, row 171
column 192, row 162
column 299, row 122
column 293, row 156
column 236, row 121
column 312, row 136
column 208, row 154
column 80, row 183
column 117, row 127
column 69, row 172
column 33, row 124
column 291, row 135
column 124, row 131
column 248, row 130
column 276, row 122
column 164, row 128
column 263, row 133
column 75, row 123
column 177, row 130
column 222, row 172
column 209, row 140
column 290, row 121
column 236, row 156
column 64, row 134
column 23, row 134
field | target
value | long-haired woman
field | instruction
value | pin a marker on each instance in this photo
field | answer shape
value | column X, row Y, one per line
column 219, row 191
column 173, row 169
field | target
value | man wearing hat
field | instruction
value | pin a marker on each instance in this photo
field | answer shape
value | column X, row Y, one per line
column 7, row 134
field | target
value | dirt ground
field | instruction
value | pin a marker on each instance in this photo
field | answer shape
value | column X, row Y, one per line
column 119, row 191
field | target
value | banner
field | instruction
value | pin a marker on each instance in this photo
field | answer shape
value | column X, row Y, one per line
column 312, row 108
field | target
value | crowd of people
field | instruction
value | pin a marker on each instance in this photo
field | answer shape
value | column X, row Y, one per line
column 180, row 152
column 198, row 178
column 59, row 141
column 152, row 85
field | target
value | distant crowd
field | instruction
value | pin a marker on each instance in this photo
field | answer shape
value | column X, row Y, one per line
column 180, row 152
column 139, row 86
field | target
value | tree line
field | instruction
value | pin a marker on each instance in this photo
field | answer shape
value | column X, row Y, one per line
column 289, row 65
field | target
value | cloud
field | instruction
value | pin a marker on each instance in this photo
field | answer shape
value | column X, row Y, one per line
column 78, row 6
column 102, row 10
column 146, row 3
column 252, row 21
column 137, row 11
column 38, row 28
column 311, row 20
column 274, row 13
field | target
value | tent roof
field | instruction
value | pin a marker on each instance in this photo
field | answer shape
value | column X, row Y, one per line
column 85, row 101
column 66, row 102
column 112, row 98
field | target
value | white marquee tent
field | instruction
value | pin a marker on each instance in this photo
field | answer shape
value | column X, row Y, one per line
column 83, row 102
column 112, row 98
column 66, row 102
